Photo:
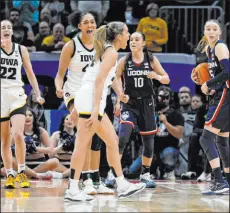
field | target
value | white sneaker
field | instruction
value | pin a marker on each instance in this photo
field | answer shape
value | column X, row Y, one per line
column 88, row 188
column 188, row 175
column 55, row 175
column 204, row 177
column 169, row 176
column 78, row 195
column 102, row 189
column 130, row 189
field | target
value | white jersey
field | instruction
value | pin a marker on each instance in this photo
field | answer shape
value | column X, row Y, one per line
column 89, row 79
column 81, row 59
column 11, row 65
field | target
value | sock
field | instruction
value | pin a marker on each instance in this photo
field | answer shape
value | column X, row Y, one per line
column 227, row 175
column 9, row 172
column 21, row 168
column 86, row 175
column 73, row 185
column 120, row 181
column 217, row 174
column 145, row 169
column 95, row 174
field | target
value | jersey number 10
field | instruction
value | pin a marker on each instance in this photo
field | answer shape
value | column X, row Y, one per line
column 139, row 82
column 5, row 71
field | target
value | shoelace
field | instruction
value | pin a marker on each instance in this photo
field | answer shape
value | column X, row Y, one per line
column 23, row 177
column 10, row 179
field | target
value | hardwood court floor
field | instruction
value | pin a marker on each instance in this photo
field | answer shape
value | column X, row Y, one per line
column 179, row 196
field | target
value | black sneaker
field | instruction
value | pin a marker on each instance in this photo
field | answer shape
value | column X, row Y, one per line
column 216, row 188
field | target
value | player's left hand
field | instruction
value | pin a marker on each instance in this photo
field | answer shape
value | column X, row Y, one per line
column 205, row 89
column 40, row 100
column 92, row 122
column 124, row 98
column 162, row 118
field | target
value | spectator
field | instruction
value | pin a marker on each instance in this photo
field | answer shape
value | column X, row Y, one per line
column 185, row 99
column 45, row 15
column 116, row 11
column 63, row 143
column 56, row 41
column 44, row 30
column 98, row 8
column 139, row 8
column 196, row 102
column 29, row 10
column 37, row 108
column 15, row 18
column 184, row 89
column 37, row 145
column 154, row 28
column 20, row 37
column 56, row 7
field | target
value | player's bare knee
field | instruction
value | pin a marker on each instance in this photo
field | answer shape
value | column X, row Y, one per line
column 18, row 136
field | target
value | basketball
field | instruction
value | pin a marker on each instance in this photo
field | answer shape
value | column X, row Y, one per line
column 200, row 74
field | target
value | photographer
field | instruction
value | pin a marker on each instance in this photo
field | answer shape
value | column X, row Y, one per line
column 170, row 125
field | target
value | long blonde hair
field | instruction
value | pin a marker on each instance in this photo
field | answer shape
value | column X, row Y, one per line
column 203, row 43
column 106, row 34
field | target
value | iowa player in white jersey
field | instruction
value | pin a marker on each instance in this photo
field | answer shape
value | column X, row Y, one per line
column 13, row 103
column 76, row 56
column 90, row 101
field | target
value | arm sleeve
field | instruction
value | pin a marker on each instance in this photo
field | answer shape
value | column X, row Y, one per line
column 221, row 77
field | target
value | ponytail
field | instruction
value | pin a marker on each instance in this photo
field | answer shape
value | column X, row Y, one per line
column 99, row 42
column 203, row 43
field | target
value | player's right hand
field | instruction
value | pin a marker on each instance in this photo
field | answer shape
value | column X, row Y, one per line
column 59, row 93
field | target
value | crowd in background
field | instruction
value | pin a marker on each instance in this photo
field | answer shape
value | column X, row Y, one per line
column 46, row 25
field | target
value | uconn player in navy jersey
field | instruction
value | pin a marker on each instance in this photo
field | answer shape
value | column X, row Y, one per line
column 90, row 101
column 215, row 137
column 13, row 102
column 138, row 69
column 76, row 55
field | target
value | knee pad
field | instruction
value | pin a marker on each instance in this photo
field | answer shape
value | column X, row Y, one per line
column 148, row 145
column 207, row 142
column 96, row 143
column 125, row 131
column 222, row 144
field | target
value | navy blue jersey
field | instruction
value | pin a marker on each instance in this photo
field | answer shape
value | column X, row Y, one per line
column 136, row 83
column 214, row 66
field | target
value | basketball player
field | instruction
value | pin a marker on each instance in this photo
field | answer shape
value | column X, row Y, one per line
column 76, row 55
column 215, row 136
column 13, row 103
column 138, row 69
column 90, row 101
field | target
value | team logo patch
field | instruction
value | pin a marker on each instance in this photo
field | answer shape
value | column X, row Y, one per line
column 125, row 115
column 67, row 95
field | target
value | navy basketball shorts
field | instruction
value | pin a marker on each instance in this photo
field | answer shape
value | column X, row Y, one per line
column 218, row 111
column 140, row 113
